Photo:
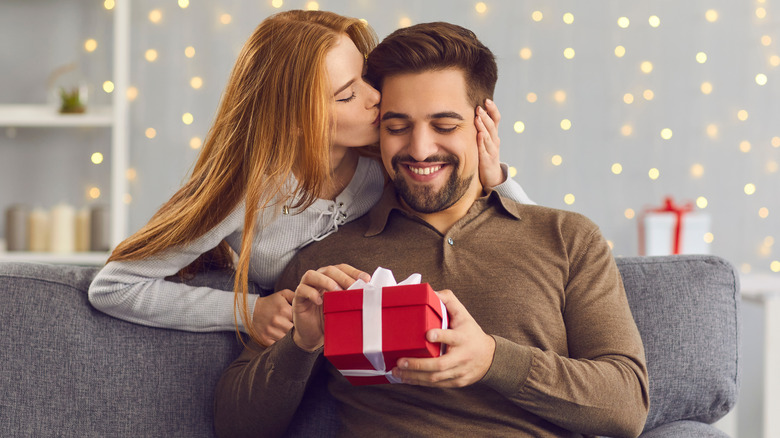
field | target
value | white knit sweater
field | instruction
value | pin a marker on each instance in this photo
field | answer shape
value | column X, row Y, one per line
column 137, row 291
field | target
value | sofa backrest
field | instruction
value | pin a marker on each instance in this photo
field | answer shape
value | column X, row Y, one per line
column 67, row 369
column 687, row 312
column 70, row 370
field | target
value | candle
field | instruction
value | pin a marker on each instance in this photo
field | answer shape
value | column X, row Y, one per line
column 38, row 230
column 62, row 226
column 16, row 228
column 82, row 230
column 100, row 238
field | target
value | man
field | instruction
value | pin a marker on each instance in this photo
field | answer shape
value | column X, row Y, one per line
column 541, row 339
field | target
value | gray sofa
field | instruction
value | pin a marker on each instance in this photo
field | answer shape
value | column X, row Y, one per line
column 70, row 370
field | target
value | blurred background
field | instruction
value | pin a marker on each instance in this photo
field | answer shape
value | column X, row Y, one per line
column 608, row 107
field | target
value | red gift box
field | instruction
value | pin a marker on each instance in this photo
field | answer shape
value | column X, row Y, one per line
column 407, row 313
column 673, row 229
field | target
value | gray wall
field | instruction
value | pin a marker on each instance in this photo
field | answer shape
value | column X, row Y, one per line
column 595, row 81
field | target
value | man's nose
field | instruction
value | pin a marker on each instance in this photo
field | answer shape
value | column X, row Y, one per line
column 422, row 143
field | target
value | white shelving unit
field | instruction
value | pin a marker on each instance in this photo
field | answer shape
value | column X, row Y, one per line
column 114, row 117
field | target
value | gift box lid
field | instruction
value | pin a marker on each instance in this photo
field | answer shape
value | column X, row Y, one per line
column 392, row 296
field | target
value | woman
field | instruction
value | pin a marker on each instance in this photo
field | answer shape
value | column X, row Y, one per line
column 295, row 108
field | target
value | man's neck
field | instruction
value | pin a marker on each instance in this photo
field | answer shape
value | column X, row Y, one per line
column 444, row 220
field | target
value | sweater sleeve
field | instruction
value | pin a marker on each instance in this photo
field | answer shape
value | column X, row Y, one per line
column 259, row 393
column 511, row 189
column 137, row 290
column 601, row 387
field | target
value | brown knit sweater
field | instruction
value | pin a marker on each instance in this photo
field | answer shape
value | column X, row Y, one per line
column 568, row 362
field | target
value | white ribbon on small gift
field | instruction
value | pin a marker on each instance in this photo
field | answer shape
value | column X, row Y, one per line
column 372, row 321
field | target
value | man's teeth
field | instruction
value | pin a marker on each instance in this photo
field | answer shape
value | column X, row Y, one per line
column 424, row 170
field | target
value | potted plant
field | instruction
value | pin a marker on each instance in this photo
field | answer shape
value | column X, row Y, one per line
column 71, row 101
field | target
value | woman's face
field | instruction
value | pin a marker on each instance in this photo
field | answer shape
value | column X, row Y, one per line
column 356, row 103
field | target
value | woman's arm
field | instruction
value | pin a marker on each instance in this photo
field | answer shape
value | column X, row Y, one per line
column 137, row 291
column 492, row 173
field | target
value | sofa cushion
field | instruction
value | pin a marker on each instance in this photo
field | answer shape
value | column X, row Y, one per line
column 94, row 375
column 686, row 308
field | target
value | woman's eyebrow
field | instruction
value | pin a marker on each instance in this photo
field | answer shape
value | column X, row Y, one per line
column 344, row 87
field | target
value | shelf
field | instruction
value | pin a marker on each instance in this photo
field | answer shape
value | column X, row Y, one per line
column 43, row 116
column 75, row 258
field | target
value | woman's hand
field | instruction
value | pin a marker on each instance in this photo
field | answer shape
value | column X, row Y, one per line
column 488, row 143
column 307, row 304
column 272, row 316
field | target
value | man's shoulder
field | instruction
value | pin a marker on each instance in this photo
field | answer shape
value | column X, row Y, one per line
column 533, row 213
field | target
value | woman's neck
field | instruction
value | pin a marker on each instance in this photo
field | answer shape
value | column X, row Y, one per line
column 345, row 162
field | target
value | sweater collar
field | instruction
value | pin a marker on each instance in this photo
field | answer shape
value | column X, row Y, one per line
column 380, row 214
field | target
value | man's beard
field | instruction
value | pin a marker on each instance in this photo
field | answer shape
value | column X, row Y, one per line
column 424, row 199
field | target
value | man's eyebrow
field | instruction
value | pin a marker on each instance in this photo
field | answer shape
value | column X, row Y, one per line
column 446, row 115
column 442, row 115
column 393, row 115
column 344, row 87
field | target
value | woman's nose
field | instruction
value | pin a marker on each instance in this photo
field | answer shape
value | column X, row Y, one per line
column 374, row 97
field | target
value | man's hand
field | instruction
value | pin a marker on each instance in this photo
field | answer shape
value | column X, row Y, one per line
column 488, row 143
column 307, row 304
column 272, row 316
column 468, row 357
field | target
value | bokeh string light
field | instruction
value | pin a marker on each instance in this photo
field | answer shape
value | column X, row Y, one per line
column 642, row 136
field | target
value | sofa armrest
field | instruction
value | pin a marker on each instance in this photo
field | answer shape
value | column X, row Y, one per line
column 687, row 311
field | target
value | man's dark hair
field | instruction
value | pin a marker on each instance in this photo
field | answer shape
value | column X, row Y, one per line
column 436, row 46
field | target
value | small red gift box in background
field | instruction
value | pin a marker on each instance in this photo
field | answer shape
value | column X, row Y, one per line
column 673, row 229
column 407, row 313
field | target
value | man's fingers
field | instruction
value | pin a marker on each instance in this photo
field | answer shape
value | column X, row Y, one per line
column 318, row 280
column 449, row 337
column 343, row 275
column 427, row 365
column 355, row 273
column 454, row 307
column 427, row 372
column 305, row 292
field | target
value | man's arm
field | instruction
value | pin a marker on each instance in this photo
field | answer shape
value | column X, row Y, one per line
column 261, row 390
column 599, row 388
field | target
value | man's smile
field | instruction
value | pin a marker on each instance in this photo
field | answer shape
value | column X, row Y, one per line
column 424, row 170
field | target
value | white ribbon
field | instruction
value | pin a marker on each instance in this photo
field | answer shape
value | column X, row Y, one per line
column 372, row 321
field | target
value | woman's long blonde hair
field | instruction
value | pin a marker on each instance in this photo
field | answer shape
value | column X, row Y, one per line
column 274, row 121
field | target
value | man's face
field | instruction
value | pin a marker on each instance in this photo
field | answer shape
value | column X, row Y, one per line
column 428, row 139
